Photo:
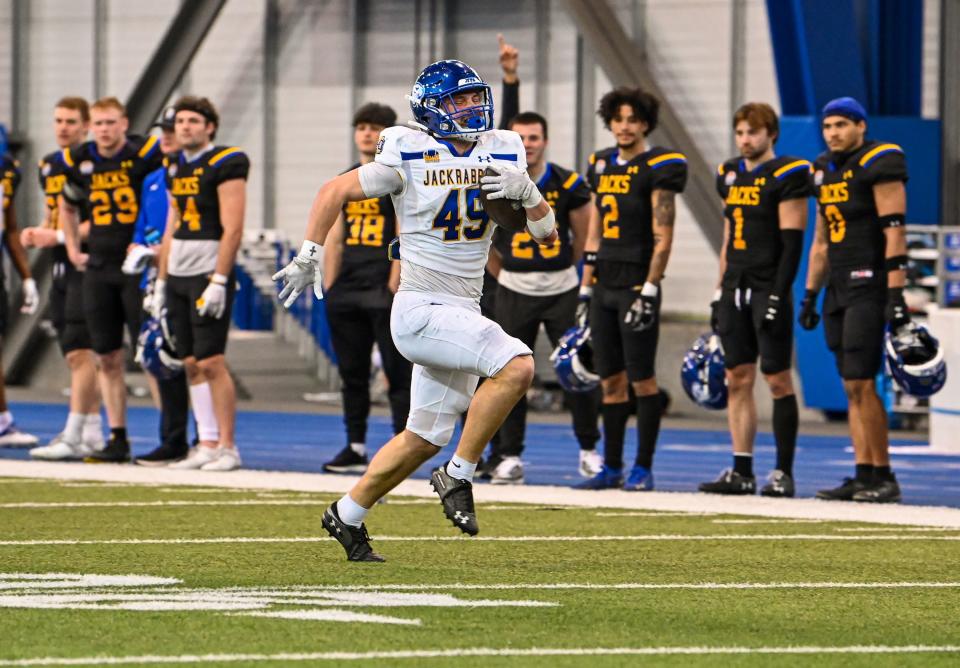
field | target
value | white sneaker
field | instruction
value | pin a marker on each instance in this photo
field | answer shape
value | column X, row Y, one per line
column 60, row 449
column 198, row 457
column 508, row 472
column 229, row 460
column 96, row 444
column 11, row 437
column 591, row 463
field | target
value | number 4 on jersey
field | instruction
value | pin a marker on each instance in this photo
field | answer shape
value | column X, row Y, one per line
column 450, row 217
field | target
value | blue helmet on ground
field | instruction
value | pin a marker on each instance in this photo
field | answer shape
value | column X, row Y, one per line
column 915, row 360
column 573, row 361
column 703, row 374
column 155, row 350
column 431, row 101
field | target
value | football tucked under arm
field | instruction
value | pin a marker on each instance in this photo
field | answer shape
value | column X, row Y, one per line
column 507, row 213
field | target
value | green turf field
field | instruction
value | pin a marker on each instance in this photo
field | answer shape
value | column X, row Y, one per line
column 243, row 577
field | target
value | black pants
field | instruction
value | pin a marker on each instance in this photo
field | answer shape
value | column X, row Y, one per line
column 520, row 316
column 357, row 321
column 174, row 411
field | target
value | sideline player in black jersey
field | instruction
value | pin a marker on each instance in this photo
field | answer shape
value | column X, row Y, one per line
column 83, row 432
column 626, row 255
column 539, row 284
column 10, row 177
column 765, row 212
column 359, row 285
column 106, row 175
column 207, row 184
column 860, row 250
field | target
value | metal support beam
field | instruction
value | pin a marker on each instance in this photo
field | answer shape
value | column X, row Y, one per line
column 586, row 100
column 542, row 50
column 100, row 19
column 623, row 63
column 170, row 60
column 950, row 110
column 271, row 57
column 738, row 59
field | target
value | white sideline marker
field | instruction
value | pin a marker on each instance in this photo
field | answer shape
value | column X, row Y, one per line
column 533, row 494
column 484, row 652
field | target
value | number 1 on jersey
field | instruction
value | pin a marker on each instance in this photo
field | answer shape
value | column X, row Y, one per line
column 739, row 243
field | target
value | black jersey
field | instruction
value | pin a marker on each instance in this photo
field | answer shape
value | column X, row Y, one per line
column 193, row 186
column 52, row 173
column 626, row 211
column 110, row 187
column 843, row 183
column 10, row 173
column 564, row 191
column 752, row 206
column 370, row 225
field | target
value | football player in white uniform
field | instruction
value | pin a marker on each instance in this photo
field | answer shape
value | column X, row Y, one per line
column 434, row 173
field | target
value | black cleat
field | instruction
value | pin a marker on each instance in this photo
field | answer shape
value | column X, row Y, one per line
column 355, row 540
column 346, row 461
column 845, row 491
column 457, row 498
column 884, row 491
column 779, row 484
column 163, row 454
column 730, row 482
column 486, row 467
column 116, row 451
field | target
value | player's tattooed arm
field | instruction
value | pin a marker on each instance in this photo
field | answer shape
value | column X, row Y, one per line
column 817, row 270
column 890, row 198
column 664, row 215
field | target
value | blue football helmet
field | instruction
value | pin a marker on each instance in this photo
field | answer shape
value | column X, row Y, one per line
column 431, row 101
column 703, row 375
column 915, row 360
column 573, row 361
column 155, row 350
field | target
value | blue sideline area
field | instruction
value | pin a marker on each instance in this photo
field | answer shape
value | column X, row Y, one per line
column 303, row 441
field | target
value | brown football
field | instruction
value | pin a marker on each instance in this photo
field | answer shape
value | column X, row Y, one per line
column 507, row 213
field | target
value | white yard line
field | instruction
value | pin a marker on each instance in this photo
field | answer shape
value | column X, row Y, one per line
column 769, row 521
column 536, row 494
column 486, row 539
column 485, row 652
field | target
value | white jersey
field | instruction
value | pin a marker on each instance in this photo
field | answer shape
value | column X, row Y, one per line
column 442, row 225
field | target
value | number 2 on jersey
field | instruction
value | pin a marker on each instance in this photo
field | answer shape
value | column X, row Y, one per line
column 124, row 199
column 611, row 217
column 454, row 226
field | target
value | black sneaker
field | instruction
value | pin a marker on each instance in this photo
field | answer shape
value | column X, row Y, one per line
column 116, row 451
column 163, row 454
column 486, row 467
column 779, row 484
column 457, row 498
column 355, row 540
column 346, row 461
column 845, row 491
column 884, row 491
column 730, row 482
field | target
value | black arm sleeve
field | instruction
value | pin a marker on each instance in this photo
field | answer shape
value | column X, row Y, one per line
column 510, row 105
column 792, row 241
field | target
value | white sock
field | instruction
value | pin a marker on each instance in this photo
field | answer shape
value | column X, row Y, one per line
column 350, row 511
column 359, row 448
column 202, row 401
column 6, row 419
column 92, row 428
column 73, row 430
column 461, row 469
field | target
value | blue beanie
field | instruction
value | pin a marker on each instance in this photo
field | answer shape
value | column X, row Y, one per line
column 845, row 106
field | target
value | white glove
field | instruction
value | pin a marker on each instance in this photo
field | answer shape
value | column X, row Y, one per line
column 31, row 297
column 213, row 301
column 302, row 271
column 511, row 183
column 137, row 260
column 158, row 298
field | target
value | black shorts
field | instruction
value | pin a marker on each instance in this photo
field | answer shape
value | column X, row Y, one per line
column 66, row 308
column 520, row 315
column 616, row 347
column 111, row 299
column 854, row 334
column 744, row 339
column 195, row 335
column 4, row 308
